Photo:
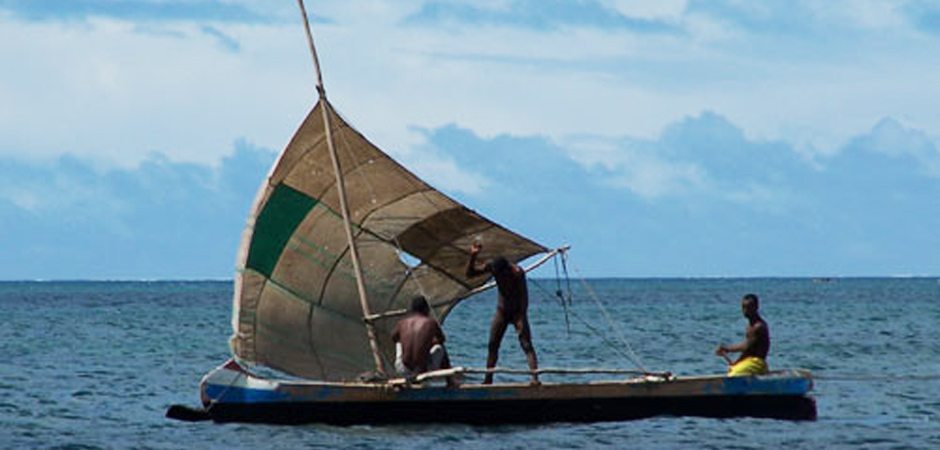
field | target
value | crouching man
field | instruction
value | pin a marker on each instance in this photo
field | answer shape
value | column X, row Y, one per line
column 419, row 343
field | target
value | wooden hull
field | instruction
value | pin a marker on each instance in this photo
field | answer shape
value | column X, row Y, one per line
column 231, row 394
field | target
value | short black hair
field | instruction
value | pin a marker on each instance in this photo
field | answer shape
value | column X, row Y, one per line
column 420, row 304
column 752, row 298
column 499, row 264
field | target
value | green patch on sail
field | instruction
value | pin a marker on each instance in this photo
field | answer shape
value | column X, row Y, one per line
column 281, row 215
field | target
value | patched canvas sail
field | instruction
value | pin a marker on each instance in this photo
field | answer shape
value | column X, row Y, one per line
column 296, row 305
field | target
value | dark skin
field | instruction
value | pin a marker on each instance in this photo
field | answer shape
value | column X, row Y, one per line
column 417, row 333
column 512, row 308
column 756, row 337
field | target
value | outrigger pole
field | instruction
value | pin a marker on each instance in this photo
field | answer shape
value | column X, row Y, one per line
column 344, row 206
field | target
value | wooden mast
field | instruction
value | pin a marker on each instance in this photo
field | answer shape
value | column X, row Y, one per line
column 344, row 206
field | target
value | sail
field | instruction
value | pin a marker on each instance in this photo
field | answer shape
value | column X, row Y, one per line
column 296, row 304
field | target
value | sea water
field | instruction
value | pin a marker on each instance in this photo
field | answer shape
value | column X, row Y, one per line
column 96, row 364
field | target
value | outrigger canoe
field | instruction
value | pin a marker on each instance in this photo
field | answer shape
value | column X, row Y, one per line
column 339, row 239
column 231, row 393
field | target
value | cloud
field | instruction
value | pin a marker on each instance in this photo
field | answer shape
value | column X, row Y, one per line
column 134, row 10
column 704, row 199
column 70, row 218
column 446, row 175
column 226, row 41
column 924, row 14
column 801, row 19
column 177, row 89
column 538, row 15
column 767, row 16
column 177, row 86
column 636, row 165
column 573, row 129
column 700, row 199
column 704, row 156
column 889, row 137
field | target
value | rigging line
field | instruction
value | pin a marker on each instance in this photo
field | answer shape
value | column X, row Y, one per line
column 412, row 271
column 470, row 293
column 564, row 266
column 611, row 323
column 491, row 284
column 613, row 345
column 390, row 301
column 214, row 401
column 557, row 274
column 862, row 377
column 558, row 293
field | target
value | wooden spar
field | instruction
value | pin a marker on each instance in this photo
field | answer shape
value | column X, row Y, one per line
column 443, row 373
column 490, row 285
column 344, row 206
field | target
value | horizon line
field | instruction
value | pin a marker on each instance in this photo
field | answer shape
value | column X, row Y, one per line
column 635, row 278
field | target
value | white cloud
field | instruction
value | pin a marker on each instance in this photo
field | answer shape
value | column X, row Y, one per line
column 102, row 88
column 871, row 14
column 635, row 166
column 892, row 138
column 445, row 175
column 107, row 90
column 661, row 9
column 22, row 198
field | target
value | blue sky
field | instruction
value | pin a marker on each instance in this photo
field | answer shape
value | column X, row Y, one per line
column 670, row 138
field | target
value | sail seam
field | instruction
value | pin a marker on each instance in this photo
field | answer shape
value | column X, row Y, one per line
column 300, row 297
column 346, row 124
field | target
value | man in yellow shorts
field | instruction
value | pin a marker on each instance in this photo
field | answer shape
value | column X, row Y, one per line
column 756, row 344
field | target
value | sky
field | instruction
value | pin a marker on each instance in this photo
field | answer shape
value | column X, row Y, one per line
column 676, row 138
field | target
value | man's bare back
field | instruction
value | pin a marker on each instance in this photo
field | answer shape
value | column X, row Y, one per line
column 417, row 334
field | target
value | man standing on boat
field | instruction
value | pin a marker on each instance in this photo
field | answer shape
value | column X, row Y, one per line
column 419, row 342
column 756, row 344
column 512, row 308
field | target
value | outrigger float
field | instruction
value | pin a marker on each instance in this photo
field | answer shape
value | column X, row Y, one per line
column 333, row 235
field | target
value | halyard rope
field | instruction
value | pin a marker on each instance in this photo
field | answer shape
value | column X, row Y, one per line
column 624, row 349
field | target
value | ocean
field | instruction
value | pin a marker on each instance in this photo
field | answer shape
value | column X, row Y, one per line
column 95, row 364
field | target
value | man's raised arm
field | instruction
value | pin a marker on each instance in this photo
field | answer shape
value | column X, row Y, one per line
column 473, row 268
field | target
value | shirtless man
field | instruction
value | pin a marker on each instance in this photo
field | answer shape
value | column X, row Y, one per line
column 419, row 343
column 512, row 308
column 756, row 344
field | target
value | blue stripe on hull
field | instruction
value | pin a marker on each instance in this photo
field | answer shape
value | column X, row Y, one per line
column 751, row 385
column 735, row 386
column 233, row 394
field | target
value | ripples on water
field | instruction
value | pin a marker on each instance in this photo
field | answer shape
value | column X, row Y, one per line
column 94, row 365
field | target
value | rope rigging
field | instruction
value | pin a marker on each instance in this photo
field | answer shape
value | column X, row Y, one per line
column 560, row 295
column 888, row 377
column 623, row 348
